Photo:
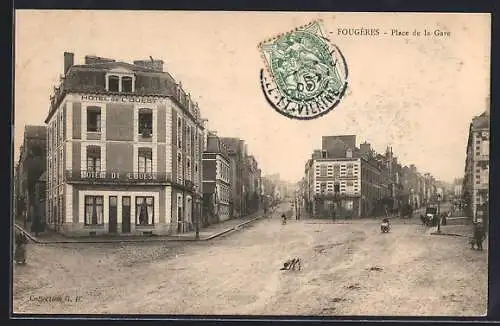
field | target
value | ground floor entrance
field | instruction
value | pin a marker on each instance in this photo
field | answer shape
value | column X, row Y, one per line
column 326, row 207
column 99, row 209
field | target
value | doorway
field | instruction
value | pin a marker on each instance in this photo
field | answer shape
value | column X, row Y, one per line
column 126, row 214
column 113, row 214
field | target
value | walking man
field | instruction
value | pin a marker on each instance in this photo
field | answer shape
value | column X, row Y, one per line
column 479, row 234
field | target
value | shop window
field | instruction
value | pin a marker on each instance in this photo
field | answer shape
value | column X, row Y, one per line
column 144, row 210
column 127, row 84
column 113, row 83
column 93, row 158
column 145, row 160
column 94, row 213
column 145, row 122
column 94, row 119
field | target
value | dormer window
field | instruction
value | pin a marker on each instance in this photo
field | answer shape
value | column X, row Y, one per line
column 120, row 80
column 127, row 84
column 113, row 84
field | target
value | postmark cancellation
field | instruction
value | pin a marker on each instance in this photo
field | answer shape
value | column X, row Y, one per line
column 305, row 74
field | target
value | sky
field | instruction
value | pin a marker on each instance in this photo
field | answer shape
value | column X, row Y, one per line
column 417, row 94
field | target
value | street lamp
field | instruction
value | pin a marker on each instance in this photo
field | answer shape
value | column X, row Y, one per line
column 198, row 212
column 439, row 213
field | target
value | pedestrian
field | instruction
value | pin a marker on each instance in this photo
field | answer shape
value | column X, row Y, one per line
column 20, row 250
column 444, row 217
column 283, row 218
column 479, row 234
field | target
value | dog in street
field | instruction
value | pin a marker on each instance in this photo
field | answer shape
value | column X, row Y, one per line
column 292, row 264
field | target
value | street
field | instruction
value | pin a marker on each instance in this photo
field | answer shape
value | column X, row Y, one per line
column 349, row 268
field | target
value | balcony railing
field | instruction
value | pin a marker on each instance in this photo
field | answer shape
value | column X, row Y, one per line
column 112, row 177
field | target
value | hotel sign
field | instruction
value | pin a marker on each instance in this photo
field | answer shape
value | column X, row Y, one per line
column 118, row 175
column 122, row 99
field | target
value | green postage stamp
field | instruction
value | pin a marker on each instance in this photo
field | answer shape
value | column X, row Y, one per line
column 305, row 75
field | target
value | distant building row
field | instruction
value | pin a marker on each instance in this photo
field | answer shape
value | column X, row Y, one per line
column 128, row 152
column 343, row 180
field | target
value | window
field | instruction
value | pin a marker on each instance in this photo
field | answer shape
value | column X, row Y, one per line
column 94, row 119
column 145, row 122
column 145, row 160
column 93, row 158
column 188, row 139
column 323, row 187
column 127, row 84
column 350, row 168
column 61, row 126
column 336, row 188
column 144, row 210
column 113, row 84
column 323, row 170
column 94, row 210
column 179, row 133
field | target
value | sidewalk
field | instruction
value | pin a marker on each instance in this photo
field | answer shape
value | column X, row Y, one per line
column 205, row 234
column 463, row 231
column 458, row 230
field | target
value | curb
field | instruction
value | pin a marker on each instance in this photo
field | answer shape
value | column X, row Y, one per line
column 449, row 234
column 149, row 239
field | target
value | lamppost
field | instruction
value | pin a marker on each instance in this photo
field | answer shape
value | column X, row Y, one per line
column 439, row 213
column 198, row 212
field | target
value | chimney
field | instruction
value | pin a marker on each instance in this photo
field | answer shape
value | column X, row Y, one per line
column 156, row 65
column 92, row 59
column 365, row 148
column 68, row 61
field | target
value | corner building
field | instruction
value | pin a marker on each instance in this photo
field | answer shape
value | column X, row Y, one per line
column 125, row 149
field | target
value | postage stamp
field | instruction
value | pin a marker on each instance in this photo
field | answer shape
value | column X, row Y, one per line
column 305, row 75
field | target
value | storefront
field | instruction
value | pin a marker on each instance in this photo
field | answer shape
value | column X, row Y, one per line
column 97, row 210
column 336, row 207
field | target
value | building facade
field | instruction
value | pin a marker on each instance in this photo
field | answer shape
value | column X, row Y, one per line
column 475, row 189
column 236, row 151
column 343, row 180
column 252, row 181
column 30, row 168
column 217, row 175
column 124, row 150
